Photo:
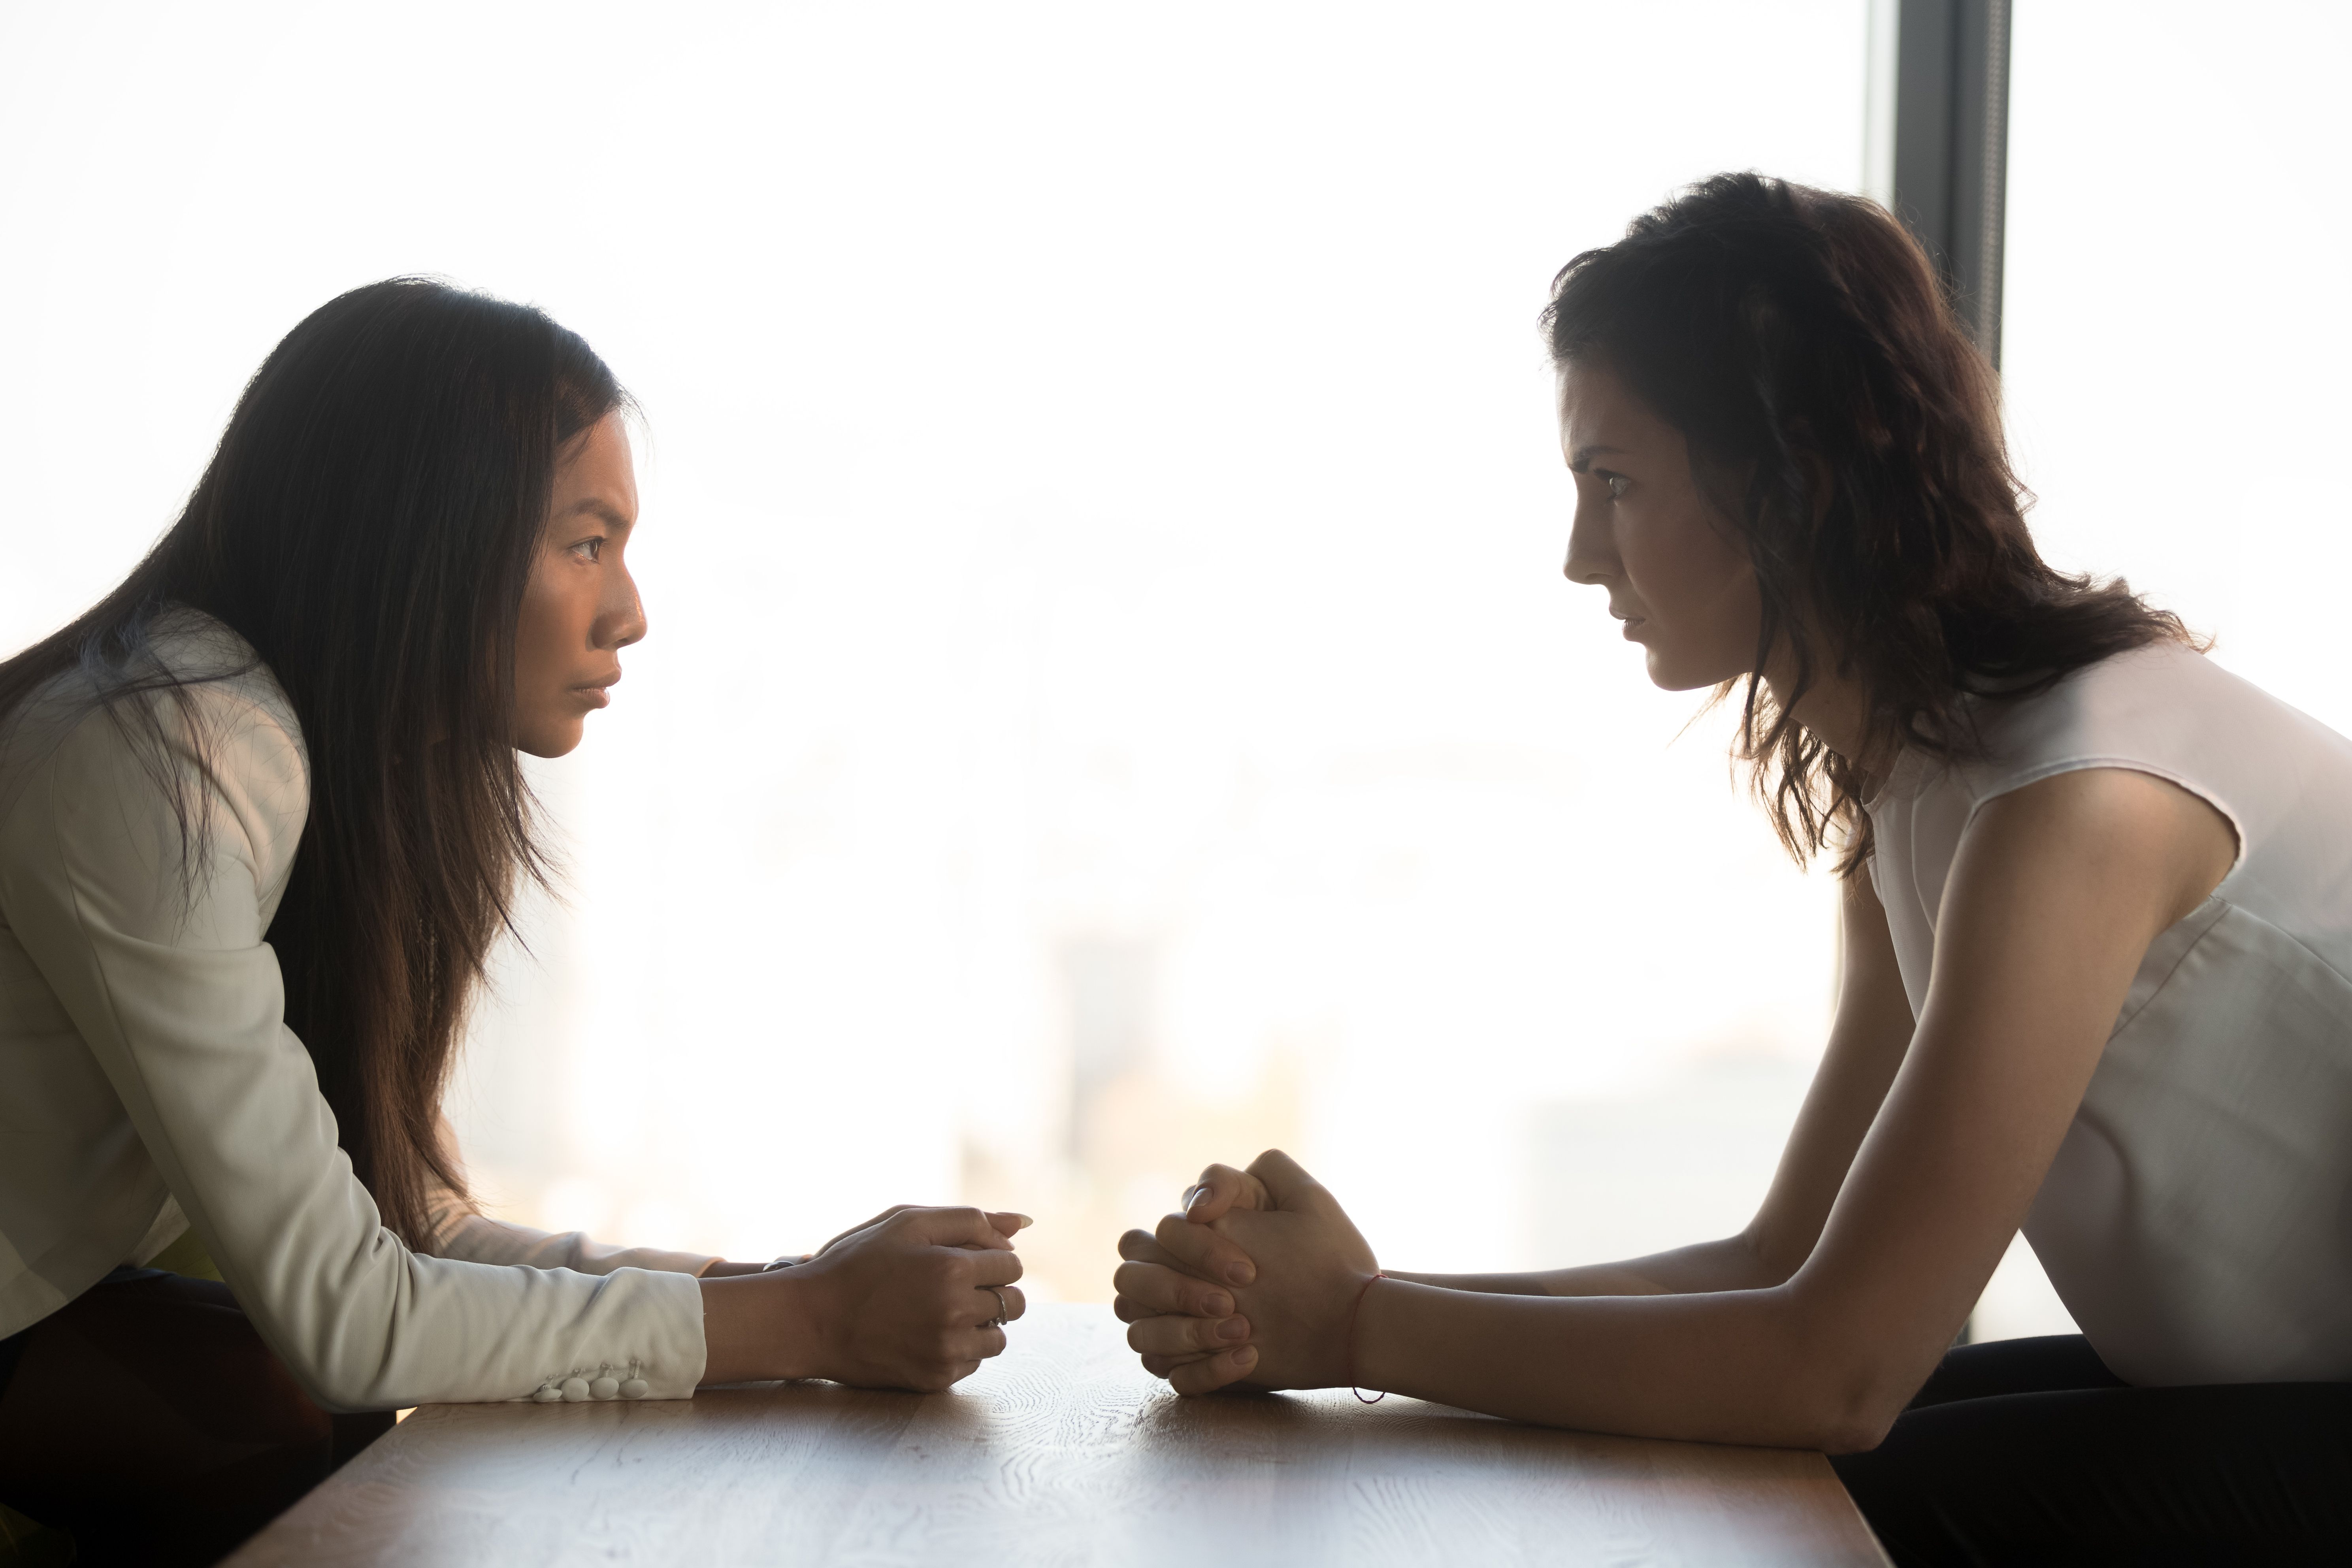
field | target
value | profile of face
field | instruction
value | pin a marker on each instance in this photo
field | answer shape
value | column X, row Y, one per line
column 1676, row 574
column 580, row 608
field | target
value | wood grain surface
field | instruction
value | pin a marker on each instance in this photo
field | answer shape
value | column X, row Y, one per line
column 1061, row 1451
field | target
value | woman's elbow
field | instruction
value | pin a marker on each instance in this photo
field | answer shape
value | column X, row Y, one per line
column 339, row 1393
column 1857, row 1429
column 342, row 1384
column 1850, row 1388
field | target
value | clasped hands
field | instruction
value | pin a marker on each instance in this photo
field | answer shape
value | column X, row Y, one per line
column 915, row 1298
column 1255, row 1282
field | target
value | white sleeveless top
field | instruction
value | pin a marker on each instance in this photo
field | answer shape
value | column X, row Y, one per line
column 2198, row 1219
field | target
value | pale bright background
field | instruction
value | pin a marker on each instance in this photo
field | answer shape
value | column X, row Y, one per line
column 1111, row 701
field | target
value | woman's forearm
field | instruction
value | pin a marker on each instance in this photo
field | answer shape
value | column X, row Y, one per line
column 1743, row 1366
column 1730, row 1264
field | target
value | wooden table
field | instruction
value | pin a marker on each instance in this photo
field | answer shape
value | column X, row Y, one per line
column 1061, row 1451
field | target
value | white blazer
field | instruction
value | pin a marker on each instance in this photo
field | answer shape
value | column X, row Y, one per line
column 148, row 1082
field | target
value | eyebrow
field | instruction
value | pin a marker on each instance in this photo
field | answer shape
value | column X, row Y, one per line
column 591, row 504
column 1583, row 456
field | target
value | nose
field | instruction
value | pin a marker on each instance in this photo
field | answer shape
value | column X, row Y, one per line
column 1592, row 551
column 623, row 620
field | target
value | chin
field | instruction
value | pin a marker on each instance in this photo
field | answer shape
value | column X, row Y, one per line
column 1667, row 677
column 553, row 742
column 1670, row 674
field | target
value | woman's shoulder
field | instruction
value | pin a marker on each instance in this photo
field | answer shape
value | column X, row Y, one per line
column 2168, row 709
column 2163, row 700
column 196, row 696
column 220, row 670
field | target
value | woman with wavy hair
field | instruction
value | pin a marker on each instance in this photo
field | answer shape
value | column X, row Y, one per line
column 2096, row 934
column 262, row 819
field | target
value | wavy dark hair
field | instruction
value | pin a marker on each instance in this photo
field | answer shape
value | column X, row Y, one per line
column 368, row 524
column 1793, row 335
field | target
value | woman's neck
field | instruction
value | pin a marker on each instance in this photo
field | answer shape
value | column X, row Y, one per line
column 1834, row 708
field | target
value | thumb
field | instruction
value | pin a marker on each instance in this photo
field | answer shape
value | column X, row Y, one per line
column 1007, row 1224
column 1220, row 1190
column 953, row 1227
column 1289, row 1187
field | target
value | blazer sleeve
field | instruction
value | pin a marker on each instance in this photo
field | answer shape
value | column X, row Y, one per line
column 162, row 967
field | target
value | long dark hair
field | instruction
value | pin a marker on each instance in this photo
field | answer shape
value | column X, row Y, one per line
column 368, row 525
column 1786, row 332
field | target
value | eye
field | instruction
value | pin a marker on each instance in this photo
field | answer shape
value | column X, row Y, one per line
column 1617, row 484
column 591, row 550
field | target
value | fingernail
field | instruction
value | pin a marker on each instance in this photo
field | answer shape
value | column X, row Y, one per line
column 1194, row 1195
column 1023, row 1222
column 1241, row 1273
column 1218, row 1307
column 1245, row 1357
column 1234, row 1329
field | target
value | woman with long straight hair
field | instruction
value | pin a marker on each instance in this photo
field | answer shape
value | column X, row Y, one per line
column 262, row 821
column 2096, row 969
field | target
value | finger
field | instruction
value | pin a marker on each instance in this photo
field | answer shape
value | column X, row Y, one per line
column 1127, row 1310
column 894, row 1210
column 1011, row 1305
column 1220, row 1190
column 1008, row 1223
column 1208, row 1376
column 988, row 1341
column 1164, row 1290
column 1170, row 1335
column 1197, row 1249
column 953, row 1227
column 991, row 1267
column 1291, row 1187
column 1161, row 1365
column 1142, row 1247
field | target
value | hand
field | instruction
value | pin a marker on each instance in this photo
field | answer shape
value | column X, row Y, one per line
column 1292, row 1266
column 1006, row 1224
column 902, row 1302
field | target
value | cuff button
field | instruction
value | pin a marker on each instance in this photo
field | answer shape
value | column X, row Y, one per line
column 575, row 1390
column 604, row 1388
column 635, row 1388
column 546, row 1394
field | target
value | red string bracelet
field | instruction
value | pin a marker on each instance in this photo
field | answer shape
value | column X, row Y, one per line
column 1352, row 1312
